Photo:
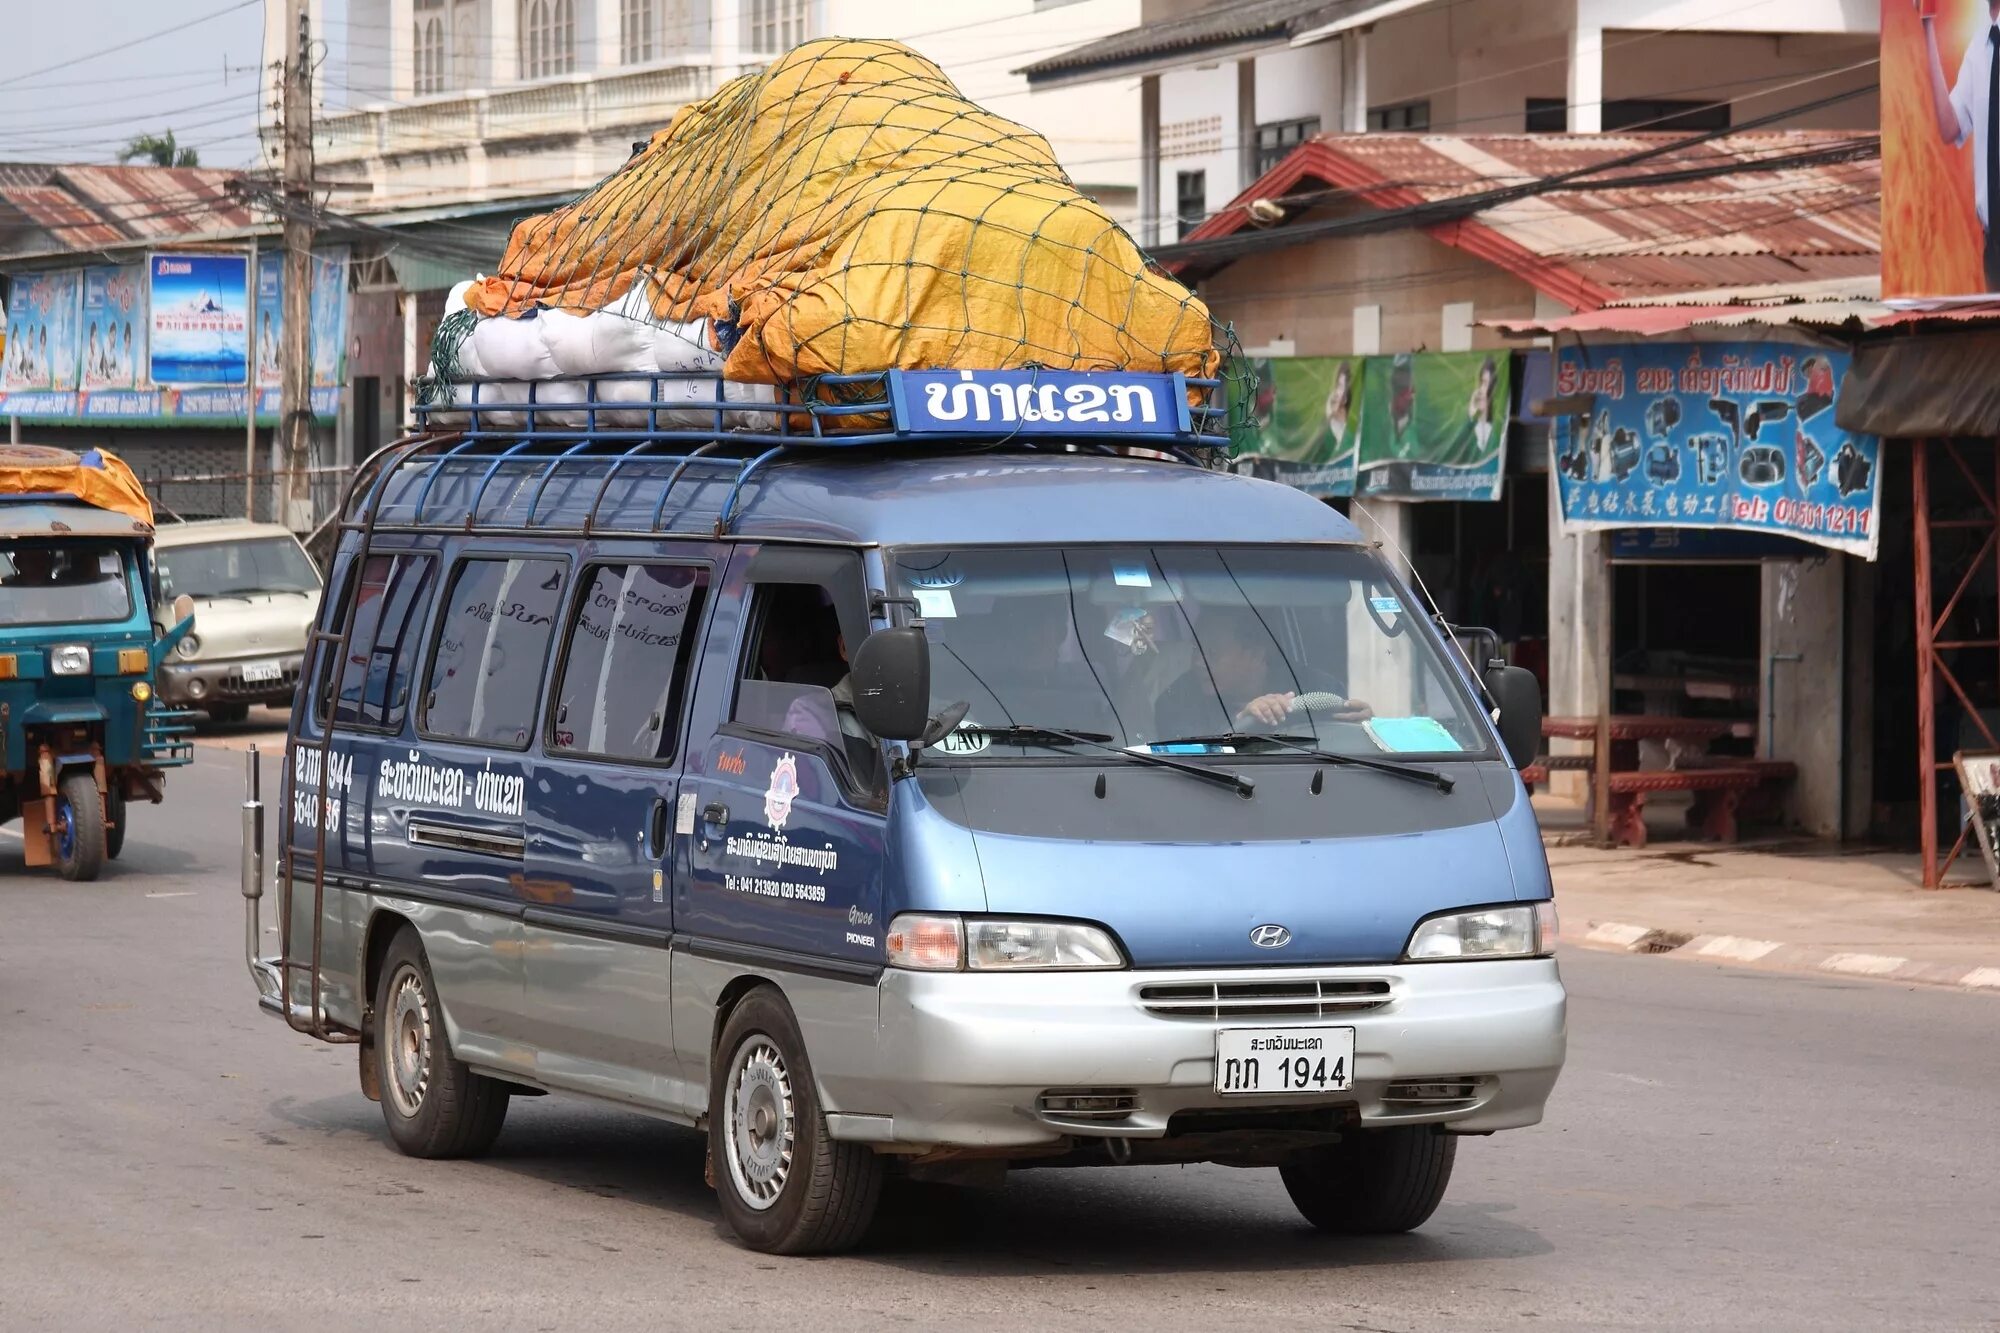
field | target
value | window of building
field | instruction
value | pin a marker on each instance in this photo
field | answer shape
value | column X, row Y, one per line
column 795, row 680
column 427, row 51
column 624, row 673
column 1190, row 200
column 638, row 31
column 548, row 38
column 774, row 26
column 1550, row 115
column 492, row 646
column 1276, row 140
column 387, row 605
column 1400, row 116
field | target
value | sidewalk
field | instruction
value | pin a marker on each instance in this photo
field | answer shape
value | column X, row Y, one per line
column 1782, row 903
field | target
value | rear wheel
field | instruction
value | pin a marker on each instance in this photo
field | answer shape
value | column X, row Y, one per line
column 79, row 828
column 114, row 815
column 1374, row 1181
column 434, row 1106
column 785, row 1186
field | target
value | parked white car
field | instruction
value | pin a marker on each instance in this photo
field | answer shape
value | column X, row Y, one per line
column 256, row 593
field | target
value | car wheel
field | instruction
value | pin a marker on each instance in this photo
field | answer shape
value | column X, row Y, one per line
column 434, row 1106
column 114, row 814
column 785, row 1186
column 79, row 828
column 1374, row 1181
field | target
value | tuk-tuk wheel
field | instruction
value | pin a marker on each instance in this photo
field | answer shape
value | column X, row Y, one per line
column 114, row 812
column 79, row 828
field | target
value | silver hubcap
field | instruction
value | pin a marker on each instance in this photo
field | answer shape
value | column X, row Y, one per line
column 408, row 1034
column 762, row 1131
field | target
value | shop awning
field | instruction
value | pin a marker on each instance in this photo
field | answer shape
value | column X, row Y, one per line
column 1938, row 385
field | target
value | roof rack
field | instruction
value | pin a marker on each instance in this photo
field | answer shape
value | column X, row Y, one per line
column 612, row 436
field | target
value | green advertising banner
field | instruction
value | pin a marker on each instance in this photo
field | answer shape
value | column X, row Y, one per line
column 1434, row 426
column 1306, row 423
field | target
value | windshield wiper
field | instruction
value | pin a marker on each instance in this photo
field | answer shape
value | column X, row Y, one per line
column 1303, row 745
column 1033, row 735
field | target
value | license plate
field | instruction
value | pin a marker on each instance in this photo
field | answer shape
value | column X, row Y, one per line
column 1280, row 1060
column 256, row 672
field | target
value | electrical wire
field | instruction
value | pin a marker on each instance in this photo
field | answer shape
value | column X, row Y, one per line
column 182, row 26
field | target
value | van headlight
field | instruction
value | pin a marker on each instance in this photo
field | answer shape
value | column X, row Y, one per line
column 70, row 659
column 188, row 646
column 935, row 942
column 1528, row 930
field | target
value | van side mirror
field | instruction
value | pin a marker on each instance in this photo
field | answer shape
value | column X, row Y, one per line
column 891, row 674
column 1519, row 696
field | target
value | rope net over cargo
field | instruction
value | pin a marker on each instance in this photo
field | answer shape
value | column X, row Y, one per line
column 843, row 211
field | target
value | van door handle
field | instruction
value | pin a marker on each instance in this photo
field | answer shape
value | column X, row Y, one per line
column 656, row 828
column 715, row 815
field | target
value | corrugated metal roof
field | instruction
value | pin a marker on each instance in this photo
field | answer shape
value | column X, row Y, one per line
column 1709, row 215
column 88, row 208
column 1221, row 24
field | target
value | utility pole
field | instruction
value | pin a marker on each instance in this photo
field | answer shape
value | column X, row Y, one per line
column 295, row 416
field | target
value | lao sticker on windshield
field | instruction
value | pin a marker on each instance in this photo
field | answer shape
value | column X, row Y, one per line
column 1131, row 576
column 935, row 603
column 1387, row 606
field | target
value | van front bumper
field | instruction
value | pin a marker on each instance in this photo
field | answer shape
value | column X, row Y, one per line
column 198, row 684
column 963, row 1060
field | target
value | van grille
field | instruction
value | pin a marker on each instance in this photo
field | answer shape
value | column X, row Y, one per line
column 233, row 686
column 1210, row 1000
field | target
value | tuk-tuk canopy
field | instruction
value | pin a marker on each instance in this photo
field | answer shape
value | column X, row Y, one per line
column 98, row 477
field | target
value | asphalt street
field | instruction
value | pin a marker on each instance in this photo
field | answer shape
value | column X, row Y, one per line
column 1727, row 1149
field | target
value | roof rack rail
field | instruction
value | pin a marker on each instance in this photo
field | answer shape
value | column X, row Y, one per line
column 597, row 429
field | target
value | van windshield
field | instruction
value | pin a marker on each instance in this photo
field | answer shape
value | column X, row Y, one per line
column 62, row 583
column 1182, row 650
column 237, row 569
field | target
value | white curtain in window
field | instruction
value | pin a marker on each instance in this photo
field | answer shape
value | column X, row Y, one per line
column 548, row 38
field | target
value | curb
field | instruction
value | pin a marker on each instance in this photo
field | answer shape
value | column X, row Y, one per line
column 1622, row 937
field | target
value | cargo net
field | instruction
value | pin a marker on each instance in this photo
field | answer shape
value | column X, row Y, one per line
column 844, row 211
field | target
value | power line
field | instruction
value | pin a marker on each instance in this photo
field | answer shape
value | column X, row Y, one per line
column 182, row 26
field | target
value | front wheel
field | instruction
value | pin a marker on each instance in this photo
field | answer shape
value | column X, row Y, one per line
column 785, row 1186
column 79, row 828
column 434, row 1106
column 1374, row 1181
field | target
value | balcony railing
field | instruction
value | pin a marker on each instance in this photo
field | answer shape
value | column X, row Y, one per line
column 577, row 104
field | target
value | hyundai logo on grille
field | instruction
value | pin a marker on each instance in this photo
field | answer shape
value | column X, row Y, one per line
column 1270, row 937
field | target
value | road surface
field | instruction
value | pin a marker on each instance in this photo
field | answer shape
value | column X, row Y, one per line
column 1726, row 1149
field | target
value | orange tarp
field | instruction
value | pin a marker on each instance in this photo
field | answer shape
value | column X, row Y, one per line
column 98, row 477
column 848, row 211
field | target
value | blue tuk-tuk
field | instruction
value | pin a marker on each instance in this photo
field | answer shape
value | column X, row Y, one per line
column 79, row 649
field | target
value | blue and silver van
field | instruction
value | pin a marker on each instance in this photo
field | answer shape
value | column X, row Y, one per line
column 971, row 792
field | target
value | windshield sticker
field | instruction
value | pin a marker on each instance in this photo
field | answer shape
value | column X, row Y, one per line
column 784, row 789
column 1131, row 576
column 969, row 738
column 1387, row 606
column 1407, row 735
column 935, row 603
column 1186, row 748
column 107, row 563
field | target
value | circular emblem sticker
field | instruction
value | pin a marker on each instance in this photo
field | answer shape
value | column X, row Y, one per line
column 784, row 789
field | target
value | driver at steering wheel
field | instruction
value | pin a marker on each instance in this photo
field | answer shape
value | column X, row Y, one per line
column 1242, row 666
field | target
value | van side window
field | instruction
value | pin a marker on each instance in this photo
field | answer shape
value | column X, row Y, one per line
column 387, row 603
column 795, row 680
column 624, row 673
column 492, row 647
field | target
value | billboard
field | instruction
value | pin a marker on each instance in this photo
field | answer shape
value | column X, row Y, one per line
column 201, row 321
column 114, row 327
column 326, row 316
column 42, row 358
column 1305, row 429
column 270, row 315
column 1714, row 435
column 1938, row 129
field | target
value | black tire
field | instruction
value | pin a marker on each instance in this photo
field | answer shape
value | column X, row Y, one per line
column 433, row 1105
column 114, row 815
column 1374, row 1181
column 823, row 1196
column 79, row 830
column 229, row 714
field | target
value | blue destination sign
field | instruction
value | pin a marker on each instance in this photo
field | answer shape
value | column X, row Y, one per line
column 1040, row 402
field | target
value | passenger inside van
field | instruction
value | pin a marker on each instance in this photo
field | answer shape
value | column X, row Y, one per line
column 803, row 653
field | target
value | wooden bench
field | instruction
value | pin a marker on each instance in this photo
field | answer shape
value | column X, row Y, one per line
column 1720, row 792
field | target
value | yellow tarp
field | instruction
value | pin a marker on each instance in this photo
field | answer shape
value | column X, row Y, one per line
column 98, row 477
column 849, row 211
